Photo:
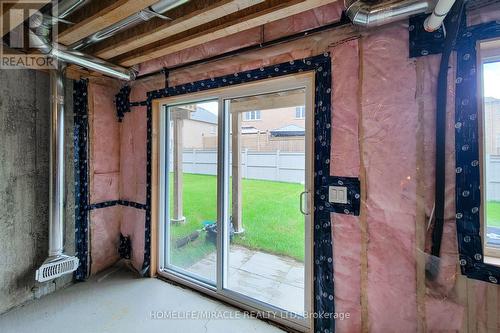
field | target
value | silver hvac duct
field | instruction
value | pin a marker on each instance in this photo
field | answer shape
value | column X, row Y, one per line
column 144, row 15
column 93, row 63
column 66, row 7
column 367, row 15
column 59, row 52
column 57, row 263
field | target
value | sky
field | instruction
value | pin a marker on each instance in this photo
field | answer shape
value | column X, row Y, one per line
column 210, row 106
column 492, row 80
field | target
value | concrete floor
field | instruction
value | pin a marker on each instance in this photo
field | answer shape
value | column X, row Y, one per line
column 117, row 301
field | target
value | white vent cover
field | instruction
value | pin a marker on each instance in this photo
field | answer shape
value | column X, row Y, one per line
column 53, row 268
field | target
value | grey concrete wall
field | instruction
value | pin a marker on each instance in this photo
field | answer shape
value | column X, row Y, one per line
column 24, row 184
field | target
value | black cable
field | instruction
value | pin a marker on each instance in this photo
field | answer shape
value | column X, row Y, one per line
column 453, row 28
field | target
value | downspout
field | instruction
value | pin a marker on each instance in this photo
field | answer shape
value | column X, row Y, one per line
column 367, row 15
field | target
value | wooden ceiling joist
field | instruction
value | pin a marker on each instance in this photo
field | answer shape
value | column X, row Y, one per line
column 237, row 24
column 102, row 18
column 196, row 18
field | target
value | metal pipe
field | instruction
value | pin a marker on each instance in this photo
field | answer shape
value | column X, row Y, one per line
column 165, row 5
column 93, row 63
column 155, row 10
column 56, row 186
column 66, row 7
column 58, row 52
column 367, row 15
column 57, row 263
column 434, row 21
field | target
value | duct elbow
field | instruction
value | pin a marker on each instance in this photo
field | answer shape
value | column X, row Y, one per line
column 366, row 15
column 359, row 13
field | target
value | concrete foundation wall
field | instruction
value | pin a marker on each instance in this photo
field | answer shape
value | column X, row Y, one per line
column 24, row 184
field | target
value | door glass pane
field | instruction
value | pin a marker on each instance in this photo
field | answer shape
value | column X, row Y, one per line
column 267, row 165
column 491, row 127
column 192, row 189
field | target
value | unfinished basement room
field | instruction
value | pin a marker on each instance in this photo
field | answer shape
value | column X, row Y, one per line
column 250, row 166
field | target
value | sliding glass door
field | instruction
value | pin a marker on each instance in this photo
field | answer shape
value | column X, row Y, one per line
column 266, row 248
column 235, row 194
column 191, row 188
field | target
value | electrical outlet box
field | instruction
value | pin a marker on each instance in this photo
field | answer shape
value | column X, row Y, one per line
column 337, row 194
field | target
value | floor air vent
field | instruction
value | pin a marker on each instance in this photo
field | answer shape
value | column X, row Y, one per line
column 53, row 268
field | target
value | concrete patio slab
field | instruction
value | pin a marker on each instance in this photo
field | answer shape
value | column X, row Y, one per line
column 266, row 277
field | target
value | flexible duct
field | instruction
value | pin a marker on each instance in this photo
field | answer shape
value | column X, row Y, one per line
column 365, row 14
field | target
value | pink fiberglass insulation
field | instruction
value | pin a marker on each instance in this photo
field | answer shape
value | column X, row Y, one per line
column 427, row 69
column 440, row 301
column 105, row 151
column 298, row 49
column 133, row 156
column 105, row 237
column 133, row 180
column 304, row 21
column 270, row 31
column 133, row 171
column 104, row 169
column 206, row 50
column 388, row 138
column 132, row 225
column 345, row 162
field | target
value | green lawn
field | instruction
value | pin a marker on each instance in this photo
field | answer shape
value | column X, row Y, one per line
column 493, row 213
column 271, row 218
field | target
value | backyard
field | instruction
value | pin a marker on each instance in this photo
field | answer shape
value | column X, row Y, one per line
column 271, row 218
column 493, row 213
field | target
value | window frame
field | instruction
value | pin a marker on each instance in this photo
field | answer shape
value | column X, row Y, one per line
column 491, row 253
column 468, row 164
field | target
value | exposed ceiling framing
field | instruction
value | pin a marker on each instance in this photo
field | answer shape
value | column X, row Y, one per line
column 103, row 17
column 191, row 24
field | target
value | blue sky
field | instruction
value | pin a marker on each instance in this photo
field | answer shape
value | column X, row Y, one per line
column 492, row 79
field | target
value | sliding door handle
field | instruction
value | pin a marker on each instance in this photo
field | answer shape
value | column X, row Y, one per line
column 302, row 202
